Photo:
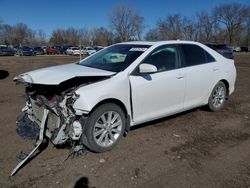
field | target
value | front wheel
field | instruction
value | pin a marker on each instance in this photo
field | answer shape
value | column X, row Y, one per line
column 104, row 127
column 217, row 97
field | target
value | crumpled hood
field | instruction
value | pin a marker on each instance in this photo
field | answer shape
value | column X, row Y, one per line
column 58, row 74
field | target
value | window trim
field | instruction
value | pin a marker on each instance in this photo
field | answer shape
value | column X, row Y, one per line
column 183, row 57
column 135, row 72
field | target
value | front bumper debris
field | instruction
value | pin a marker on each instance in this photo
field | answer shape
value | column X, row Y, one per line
column 38, row 143
column 26, row 128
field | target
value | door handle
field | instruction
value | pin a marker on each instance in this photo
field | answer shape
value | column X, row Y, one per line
column 180, row 76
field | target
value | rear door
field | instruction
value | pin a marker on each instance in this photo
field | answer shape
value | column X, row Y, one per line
column 202, row 73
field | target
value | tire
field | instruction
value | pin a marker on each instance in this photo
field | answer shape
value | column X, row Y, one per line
column 100, row 134
column 217, row 97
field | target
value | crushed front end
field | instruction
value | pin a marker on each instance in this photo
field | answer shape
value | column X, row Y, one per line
column 62, row 124
column 49, row 114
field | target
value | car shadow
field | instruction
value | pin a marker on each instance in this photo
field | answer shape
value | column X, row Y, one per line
column 3, row 74
column 83, row 182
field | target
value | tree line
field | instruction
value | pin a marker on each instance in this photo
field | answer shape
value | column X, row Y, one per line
column 228, row 23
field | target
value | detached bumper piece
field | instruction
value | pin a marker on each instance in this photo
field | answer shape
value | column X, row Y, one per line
column 38, row 143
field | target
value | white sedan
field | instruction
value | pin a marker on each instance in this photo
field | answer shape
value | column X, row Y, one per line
column 88, row 51
column 74, row 51
column 95, row 101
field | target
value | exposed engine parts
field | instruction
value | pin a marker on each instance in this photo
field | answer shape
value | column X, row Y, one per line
column 62, row 124
column 50, row 116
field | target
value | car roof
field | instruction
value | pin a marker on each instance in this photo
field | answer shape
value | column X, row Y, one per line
column 156, row 43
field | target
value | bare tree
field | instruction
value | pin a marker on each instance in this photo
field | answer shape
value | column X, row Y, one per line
column 22, row 34
column 138, row 27
column 247, row 26
column 16, row 35
column 31, row 38
column 72, row 36
column 68, row 36
column 41, row 37
column 170, row 28
column 126, row 22
column 205, row 25
column 6, row 34
column 152, row 35
column 230, row 15
column 189, row 29
column 2, row 36
column 57, row 37
column 85, row 36
column 101, row 36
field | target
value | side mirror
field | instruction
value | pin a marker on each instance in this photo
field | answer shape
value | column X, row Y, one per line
column 147, row 68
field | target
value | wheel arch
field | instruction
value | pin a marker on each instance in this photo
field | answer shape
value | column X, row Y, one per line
column 227, row 87
column 111, row 100
column 121, row 105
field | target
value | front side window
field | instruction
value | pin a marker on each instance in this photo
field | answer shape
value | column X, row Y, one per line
column 164, row 58
column 115, row 58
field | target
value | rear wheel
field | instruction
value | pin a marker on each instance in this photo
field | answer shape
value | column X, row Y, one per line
column 217, row 97
column 104, row 127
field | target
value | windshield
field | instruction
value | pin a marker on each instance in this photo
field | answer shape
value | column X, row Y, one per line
column 115, row 58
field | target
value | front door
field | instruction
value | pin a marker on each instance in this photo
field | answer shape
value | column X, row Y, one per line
column 162, row 93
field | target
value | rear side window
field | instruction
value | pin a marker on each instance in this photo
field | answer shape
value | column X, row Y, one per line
column 209, row 57
column 195, row 55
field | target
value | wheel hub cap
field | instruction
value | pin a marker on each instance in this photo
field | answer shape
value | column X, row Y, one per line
column 218, row 96
column 107, row 128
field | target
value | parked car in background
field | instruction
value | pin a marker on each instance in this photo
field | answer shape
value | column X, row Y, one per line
column 244, row 49
column 63, row 49
column 236, row 49
column 97, row 48
column 94, row 101
column 38, row 50
column 52, row 50
column 24, row 51
column 74, row 51
column 222, row 49
column 88, row 50
column 44, row 48
column 6, row 51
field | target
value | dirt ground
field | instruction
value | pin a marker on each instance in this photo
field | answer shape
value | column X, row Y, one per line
column 193, row 149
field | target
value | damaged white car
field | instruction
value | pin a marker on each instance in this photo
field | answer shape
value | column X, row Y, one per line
column 95, row 101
